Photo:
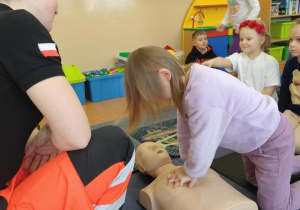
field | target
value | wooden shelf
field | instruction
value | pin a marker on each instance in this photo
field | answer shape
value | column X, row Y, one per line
column 207, row 6
column 281, row 16
column 282, row 62
column 274, row 40
column 281, row 66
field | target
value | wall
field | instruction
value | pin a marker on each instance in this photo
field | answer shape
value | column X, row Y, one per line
column 90, row 32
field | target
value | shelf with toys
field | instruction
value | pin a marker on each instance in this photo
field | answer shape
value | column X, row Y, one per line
column 206, row 15
column 279, row 17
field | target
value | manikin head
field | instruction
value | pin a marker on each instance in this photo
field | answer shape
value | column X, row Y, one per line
column 150, row 156
column 43, row 10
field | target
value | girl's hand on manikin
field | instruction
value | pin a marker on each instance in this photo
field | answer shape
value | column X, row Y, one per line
column 178, row 178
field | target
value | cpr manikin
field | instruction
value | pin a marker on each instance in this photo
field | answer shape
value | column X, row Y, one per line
column 209, row 192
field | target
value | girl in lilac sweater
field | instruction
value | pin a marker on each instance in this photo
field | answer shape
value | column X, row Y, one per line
column 216, row 109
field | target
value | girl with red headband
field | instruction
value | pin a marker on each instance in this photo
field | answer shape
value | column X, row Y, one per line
column 254, row 66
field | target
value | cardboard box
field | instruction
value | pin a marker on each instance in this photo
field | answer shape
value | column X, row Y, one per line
column 293, row 7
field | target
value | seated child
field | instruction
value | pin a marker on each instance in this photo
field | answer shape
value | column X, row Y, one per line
column 289, row 97
column 254, row 66
column 201, row 50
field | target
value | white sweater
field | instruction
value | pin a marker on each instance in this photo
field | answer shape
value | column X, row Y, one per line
column 241, row 10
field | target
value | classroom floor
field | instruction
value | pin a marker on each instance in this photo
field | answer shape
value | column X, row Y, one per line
column 106, row 110
column 103, row 111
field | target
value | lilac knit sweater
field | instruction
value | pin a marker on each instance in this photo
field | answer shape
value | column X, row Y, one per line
column 221, row 111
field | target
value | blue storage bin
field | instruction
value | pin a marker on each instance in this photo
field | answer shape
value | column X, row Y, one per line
column 105, row 87
column 76, row 79
column 79, row 89
column 280, row 78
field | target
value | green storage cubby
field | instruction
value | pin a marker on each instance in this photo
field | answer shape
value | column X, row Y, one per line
column 281, row 29
column 276, row 52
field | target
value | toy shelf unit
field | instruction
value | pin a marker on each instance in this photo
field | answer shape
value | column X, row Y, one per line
column 206, row 15
column 279, row 15
column 279, row 23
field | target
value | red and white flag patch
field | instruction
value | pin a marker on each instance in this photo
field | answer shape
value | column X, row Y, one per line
column 48, row 49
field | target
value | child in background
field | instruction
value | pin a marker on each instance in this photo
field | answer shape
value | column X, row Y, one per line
column 215, row 109
column 238, row 11
column 254, row 66
column 201, row 50
column 289, row 102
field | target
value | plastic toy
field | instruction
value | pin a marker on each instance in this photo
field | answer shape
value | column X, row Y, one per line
column 103, row 72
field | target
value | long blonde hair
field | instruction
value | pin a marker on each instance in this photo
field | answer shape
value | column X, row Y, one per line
column 265, row 47
column 142, row 84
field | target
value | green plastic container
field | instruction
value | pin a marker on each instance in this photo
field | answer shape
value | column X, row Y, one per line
column 76, row 79
column 285, row 50
column 281, row 29
column 276, row 52
column 124, row 54
column 73, row 74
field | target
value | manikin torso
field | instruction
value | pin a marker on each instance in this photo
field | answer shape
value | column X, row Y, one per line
column 210, row 192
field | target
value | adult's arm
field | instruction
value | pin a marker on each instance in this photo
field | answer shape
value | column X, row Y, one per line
column 59, row 104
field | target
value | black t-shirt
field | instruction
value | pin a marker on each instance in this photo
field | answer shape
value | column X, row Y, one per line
column 285, row 98
column 195, row 56
column 22, row 64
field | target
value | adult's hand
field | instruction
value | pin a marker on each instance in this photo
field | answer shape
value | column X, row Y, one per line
column 40, row 150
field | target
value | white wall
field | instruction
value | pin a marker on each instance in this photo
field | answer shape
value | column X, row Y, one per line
column 90, row 32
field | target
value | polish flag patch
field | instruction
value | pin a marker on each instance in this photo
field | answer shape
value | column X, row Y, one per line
column 48, row 49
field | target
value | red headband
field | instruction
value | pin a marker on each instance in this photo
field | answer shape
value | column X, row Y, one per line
column 260, row 28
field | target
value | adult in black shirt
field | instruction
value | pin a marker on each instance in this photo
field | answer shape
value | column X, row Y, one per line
column 33, row 86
